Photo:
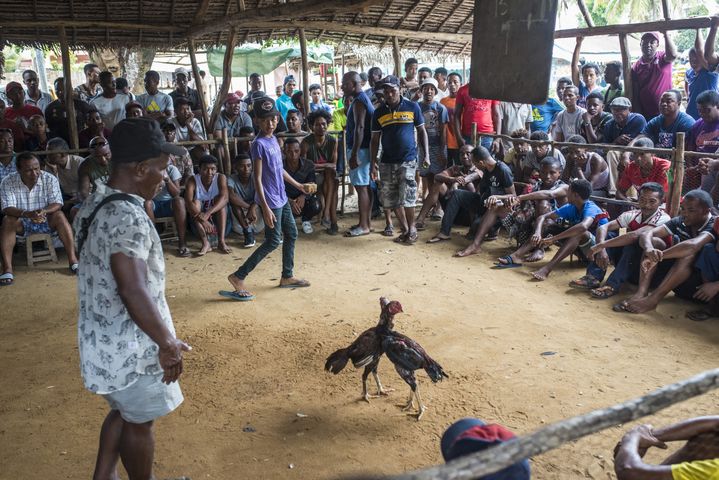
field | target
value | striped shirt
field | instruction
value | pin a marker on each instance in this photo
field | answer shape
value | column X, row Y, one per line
column 14, row 193
column 397, row 126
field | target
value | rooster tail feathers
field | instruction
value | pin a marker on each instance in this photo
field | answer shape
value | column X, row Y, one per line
column 434, row 371
column 337, row 361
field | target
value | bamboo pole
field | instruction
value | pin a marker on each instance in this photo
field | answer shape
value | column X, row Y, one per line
column 677, row 175
column 199, row 85
column 396, row 57
column 498, row 457
column 69, row 99
column 226, row 75
column 665, row 10
column 585, row 13
column 474, row 135
column 227, row 166
column 305, row 72
column 626, row 67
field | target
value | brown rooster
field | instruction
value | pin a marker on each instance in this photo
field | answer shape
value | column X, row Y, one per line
column 408, row 356
column 366, row 350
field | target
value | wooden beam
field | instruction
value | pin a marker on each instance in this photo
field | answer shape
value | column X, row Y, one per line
column 678, row 24
column 281, row 12
column 12, row 24
column 198, row 86
column 227, row 12
column 626, row 66
column 665, row 10
column 428, row 13
column 457, row 6
column 381, row 17
column 396, row 57
column 226, row 76
column 585, row 13
column 305, row 72
column 201, row 12
column 69, row 101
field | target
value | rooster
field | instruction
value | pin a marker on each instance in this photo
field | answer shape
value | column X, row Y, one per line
column 366, row 350
column 408, row 356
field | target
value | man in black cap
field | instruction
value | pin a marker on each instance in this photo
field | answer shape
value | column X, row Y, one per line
column 129, row 353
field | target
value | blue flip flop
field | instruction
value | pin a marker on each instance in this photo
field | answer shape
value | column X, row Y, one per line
column 239, row 296
column 510, row 263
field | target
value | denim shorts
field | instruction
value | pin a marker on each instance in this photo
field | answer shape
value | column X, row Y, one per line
column 146, row 399
column 399, row 186
column 359, row 177
column 162, row 208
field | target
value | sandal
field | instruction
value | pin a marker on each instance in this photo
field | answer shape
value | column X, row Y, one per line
column 603, row 292
column 419, row 226
column 402, row 238
column 237, row 295
column 699, row 315
column 333, row 230
column 356, row 232
column 436, row 239
column 183, row 252
column 7, row 279
column 411, row 238
column 508, row 263
column 620, row 307
column 388, row 231
column 587, row 281
column 299, row 283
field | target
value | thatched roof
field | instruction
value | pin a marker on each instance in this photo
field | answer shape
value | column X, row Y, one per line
column 430, row 25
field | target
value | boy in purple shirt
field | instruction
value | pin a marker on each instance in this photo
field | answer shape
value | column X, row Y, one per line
column 704, row 138
column 652, row 74
column 270, row 177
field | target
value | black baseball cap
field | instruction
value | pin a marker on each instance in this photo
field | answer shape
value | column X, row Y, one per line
column 137, row 139
column 388, row 81
column 264, row 107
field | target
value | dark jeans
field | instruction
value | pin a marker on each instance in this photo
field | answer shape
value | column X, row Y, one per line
column 471, row 202
column 615, row 254
column 312, row 207
column 626, row 262
column 285, row 229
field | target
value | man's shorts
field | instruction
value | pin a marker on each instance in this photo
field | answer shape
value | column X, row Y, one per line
column 31, row 228
column 399, row 187
column 146, row 399
column 162, row 208
column 359, row 177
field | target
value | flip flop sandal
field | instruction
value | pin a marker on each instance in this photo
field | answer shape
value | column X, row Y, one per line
column 237, row 295
column 402, row 238
column 7, row 279
column 74, row 268
column 411, row 238
column 699, row 316
column 297, row 284
column 420, row 226
column 510, row 263
column 388, row 232
column 356, row 232
column 620, row 307
column 603, row 292
column 437, row 240
column 183, row 252
column 586, row 282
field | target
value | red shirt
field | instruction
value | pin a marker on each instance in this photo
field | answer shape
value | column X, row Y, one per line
column 24, row 113
column 475, row 110
column 632, row 175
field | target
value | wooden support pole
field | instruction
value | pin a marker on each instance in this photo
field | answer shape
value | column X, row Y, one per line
column 226, row 164
column 396, row 55
column 677, row 175
column 475, row 138
column 226, row 75
column 585, row 13
column 199, row 86
column 305, row 72
column 665, row 9
column 69, row 101
column 626, row 67
column 493, row 459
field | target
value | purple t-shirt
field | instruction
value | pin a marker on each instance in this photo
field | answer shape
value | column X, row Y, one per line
column 268, row 150
column 652, row 79
column 704, row 137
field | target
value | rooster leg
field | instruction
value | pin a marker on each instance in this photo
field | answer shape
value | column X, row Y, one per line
column 380, row 390
column 410, row 402
column 366, row 396
column 422, row 408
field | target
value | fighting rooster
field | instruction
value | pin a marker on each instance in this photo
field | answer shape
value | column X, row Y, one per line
column 366, row 350
column 408, row 356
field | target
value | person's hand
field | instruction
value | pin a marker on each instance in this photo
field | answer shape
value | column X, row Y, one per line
column 586, row 117
column 545, row 242
column 715, row 21
column 374, row 172
column 425, row 162
column 496, row 146
column 205, row 216
column 251, row 215
column 655, row 255
column 707, row 291
column 269, row 217
column 703, row 166
column 646, row 438
column 492, row 201
column 206, row 226
column 623, row 140
column 595, row 249
column 295, row 207
column 514, row 201
column 536, row 240
column 461, row 181
column 579, row 39
column 190, row 117
column 651, row 261
column 171, row 359
column 602, row 259
column 354, row 163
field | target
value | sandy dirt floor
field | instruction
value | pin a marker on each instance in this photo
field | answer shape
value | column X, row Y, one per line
column 259, row 405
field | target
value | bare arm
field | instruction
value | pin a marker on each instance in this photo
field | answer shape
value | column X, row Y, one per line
column 574, row 230
column 687, row 429
column 373, row 151
column 422, row 134
column 628, row 463
column 671, row 49
column 575, row 61
column 687, row 247
column 545, row 194
column 710, row 55
column 457, row 123
column 360, row 112
column 288, row 179
column 190, row 187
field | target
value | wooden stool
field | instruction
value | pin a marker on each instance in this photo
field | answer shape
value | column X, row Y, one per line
column 45, row 255
column 169, row 228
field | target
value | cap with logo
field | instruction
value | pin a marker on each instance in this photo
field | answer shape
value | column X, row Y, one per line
column 137, row 139
column 264, row 107
column 388, row 81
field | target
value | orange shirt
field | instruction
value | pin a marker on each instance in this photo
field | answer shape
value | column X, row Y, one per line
column 449, row 103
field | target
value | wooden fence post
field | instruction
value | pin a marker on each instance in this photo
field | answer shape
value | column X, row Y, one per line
column 69, row 99
column 677, row 175
column 396, row 56
column 305, row 72
column 199, row 86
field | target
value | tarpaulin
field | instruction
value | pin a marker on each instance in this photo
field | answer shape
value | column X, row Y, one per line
column 249, row 59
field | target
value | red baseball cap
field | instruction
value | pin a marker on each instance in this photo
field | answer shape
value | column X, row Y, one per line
column 11, row 86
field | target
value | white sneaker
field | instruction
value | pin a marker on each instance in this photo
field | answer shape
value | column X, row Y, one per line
column 307, row 227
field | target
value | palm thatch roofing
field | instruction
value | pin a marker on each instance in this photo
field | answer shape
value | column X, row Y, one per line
column 427, row 25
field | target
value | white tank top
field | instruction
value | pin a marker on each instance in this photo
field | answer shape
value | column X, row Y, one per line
column 206, row 195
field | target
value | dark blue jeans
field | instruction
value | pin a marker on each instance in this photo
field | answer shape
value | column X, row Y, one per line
column 471, row 202
column 626, row 262
column 284, row 226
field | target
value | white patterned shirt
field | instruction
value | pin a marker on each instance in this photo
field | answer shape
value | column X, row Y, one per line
column 14, row 193
column 11, row 168
column 114, row 351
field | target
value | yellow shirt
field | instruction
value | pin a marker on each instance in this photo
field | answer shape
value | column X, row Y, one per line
column 700, row 470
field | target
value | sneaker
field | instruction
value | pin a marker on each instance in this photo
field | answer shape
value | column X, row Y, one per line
column 249, row 239
column 307, row 227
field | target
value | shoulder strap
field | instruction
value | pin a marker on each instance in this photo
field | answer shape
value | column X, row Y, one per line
column 87, row 222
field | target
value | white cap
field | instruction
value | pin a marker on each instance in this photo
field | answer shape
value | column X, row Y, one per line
column 430, row 81
column 183, row 71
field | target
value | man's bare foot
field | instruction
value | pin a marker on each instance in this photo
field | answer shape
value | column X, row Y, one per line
column 237, row 283
column 440, row 237
column 293, row 282
column 534, row 256
column 642, row 305
column 223, row 248
column 471, row 250
column 206, row 247
column 541, row 274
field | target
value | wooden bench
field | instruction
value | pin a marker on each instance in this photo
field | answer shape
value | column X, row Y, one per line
column 169, row 228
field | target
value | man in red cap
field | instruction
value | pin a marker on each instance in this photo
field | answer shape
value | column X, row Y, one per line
column 17, row 111
column 652, row 74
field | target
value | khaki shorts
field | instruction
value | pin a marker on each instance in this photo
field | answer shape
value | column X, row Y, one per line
column 146, row 399
column 399, row 186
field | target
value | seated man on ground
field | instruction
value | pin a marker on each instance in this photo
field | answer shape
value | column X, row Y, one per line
column 538, row 152
column 457, row 177
column 303, row 172
column 697, row 459
column 31, row 203
column 643, row 168
column 581, row 215
column 488, row 204
column 168, row 202
column 624, row 251
column 548, row 194
column 184, row 163
column 588, row 166
column 684, row 267
column 134, row 110
column 243, row 147
column 188, row 128
column 241, row 188
column 206, row 199
column 295, row 121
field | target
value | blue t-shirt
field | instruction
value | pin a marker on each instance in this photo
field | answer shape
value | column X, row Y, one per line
column 320, row 106
column 569, row 213
column 584, row 93
column 350, row 128
column 268, row 150
column 635, row 125
column 543, row 115
column 666, row 137
column 698, row 83
column 397, row 126
column 284, row 105
column 435, row 118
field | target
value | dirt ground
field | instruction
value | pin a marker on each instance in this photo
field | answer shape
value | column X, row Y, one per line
column 259, row 405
